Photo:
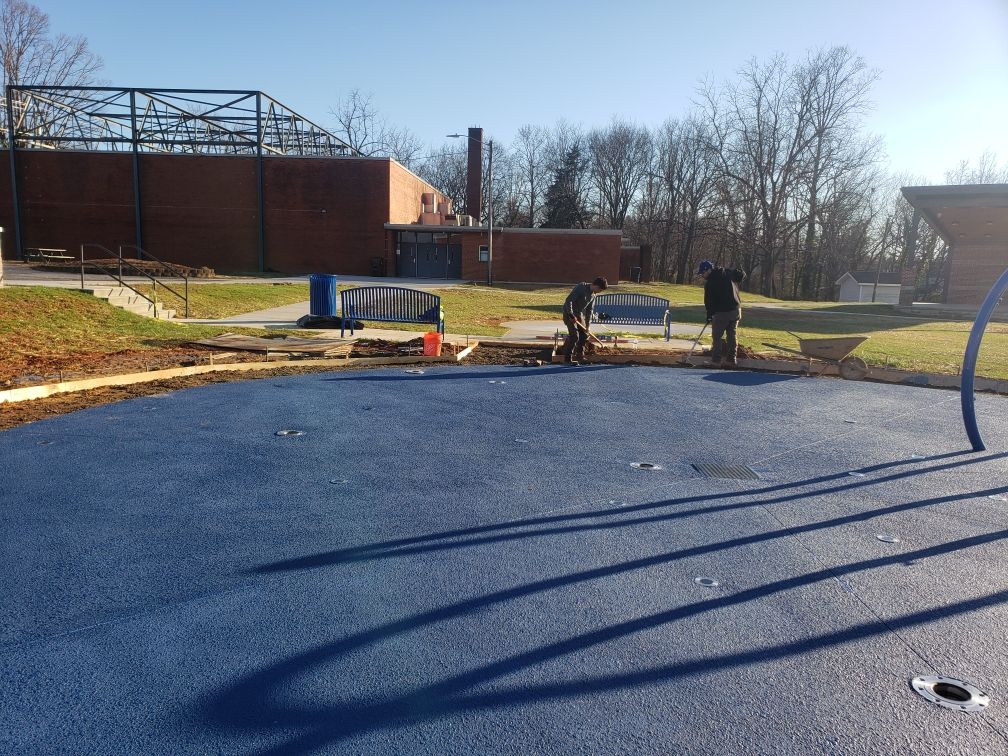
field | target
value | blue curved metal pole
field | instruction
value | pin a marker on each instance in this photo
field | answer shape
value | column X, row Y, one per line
column 970, row 359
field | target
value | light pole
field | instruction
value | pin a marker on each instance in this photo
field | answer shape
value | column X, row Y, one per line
column 489, row 202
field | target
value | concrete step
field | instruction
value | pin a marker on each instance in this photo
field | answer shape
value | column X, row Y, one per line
column 146, row 309
column 104, row 292
column 129, row 300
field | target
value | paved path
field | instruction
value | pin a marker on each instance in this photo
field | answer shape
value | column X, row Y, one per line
column 424, row 572
column 22, row 274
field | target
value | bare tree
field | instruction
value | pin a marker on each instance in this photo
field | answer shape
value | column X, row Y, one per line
column 620, row 159
column 688, row 169
column 509, row 191
column 530, row 162
column 838, row 84
column 32, row 55
column 359, row 125
column 362, row 127
column 446, row 170
column 986, row 171
column 760, row 129
column 402, row 145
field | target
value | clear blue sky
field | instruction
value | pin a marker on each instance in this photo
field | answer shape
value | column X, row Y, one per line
column 439, row 67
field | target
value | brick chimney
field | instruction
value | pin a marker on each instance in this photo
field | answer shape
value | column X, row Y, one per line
column 474, row 175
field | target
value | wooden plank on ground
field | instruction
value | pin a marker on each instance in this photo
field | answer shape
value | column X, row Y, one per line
column 286, row 345
column 50, row 389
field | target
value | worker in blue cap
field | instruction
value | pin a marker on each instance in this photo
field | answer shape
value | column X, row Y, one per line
column 724, row 311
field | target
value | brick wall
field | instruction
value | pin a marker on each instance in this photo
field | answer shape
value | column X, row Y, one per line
column 974, row 270
column 322, row 215
column 548, row 256
column 354, row 195
column 70, row 198
column 404, row 206
column 630, row 258
column 199, row 210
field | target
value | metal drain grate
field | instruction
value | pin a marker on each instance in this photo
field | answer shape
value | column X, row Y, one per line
column 951, row 693
column 726, row 472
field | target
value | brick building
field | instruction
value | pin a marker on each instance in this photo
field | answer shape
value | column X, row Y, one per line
column 248, row 186
column 973, row 221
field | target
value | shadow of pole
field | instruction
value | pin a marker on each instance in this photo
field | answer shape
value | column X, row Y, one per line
column 444, row 541
column 247, row 703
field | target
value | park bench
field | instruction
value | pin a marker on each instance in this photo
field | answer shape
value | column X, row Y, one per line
column 632, row 309
column 389, row 304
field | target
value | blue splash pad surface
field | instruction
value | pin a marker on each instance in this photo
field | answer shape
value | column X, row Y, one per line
column 466, row 561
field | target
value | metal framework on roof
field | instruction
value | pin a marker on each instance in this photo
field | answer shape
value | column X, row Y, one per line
column 172, row 121
column 196, row 121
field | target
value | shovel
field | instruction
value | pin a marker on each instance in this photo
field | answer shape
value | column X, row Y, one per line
column 590, row 334
column 697, row 341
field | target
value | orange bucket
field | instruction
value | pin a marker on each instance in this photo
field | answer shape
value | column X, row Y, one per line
column 432, row 344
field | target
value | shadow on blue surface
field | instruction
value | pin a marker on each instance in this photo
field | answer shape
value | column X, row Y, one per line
column 749, row 379
column 466, row 375
column 251, row 701
column 492, row 533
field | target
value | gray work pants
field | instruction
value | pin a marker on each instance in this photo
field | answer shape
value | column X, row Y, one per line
column 576, row 339
column 724, row 325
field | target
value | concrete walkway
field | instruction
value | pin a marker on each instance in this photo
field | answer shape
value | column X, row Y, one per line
column 22, row 274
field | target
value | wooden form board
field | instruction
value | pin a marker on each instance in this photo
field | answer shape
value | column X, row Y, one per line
column 50, row 389
column 286, row 345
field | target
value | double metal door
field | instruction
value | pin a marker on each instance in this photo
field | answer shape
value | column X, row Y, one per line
column 430, row 260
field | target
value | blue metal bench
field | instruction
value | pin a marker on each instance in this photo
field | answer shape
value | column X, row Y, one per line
column 389, row 304
column 632, row 309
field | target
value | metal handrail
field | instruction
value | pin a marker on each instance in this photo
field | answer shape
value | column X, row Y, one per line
column 119, row 278
column 180, row 271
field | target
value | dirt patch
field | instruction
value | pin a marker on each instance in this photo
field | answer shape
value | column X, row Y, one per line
column 36, row 369
column 384, row 348
column 19, row 413
column 747, row 353
column 488, row 353
column 599, row 355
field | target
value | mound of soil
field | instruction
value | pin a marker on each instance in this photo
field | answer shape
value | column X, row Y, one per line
column 385, row 348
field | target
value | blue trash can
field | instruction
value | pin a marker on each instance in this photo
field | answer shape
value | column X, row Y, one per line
column 322, row 293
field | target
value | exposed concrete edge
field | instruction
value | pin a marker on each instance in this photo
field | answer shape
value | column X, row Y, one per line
column 66, row 387
column 879, row 375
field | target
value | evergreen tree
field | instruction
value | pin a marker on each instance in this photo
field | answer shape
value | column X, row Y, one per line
column 565, row 206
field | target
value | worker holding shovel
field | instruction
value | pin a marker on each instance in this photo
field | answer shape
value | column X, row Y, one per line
column 721, row 299
column 577, row 314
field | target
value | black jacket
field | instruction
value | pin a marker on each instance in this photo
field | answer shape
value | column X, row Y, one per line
column 580, row 302
column 721, row 290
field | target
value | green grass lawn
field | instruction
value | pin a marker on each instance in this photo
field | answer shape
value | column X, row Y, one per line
column 480, row 310
column 38, row 324
column 906, row 343
column 39, row 321
column 213, row 301
column 910, row 343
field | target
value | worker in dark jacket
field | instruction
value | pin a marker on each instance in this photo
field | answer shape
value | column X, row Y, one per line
column 577, row 314
column 721, row 298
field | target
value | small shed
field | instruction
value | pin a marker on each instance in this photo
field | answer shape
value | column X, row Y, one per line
column 858, row 285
